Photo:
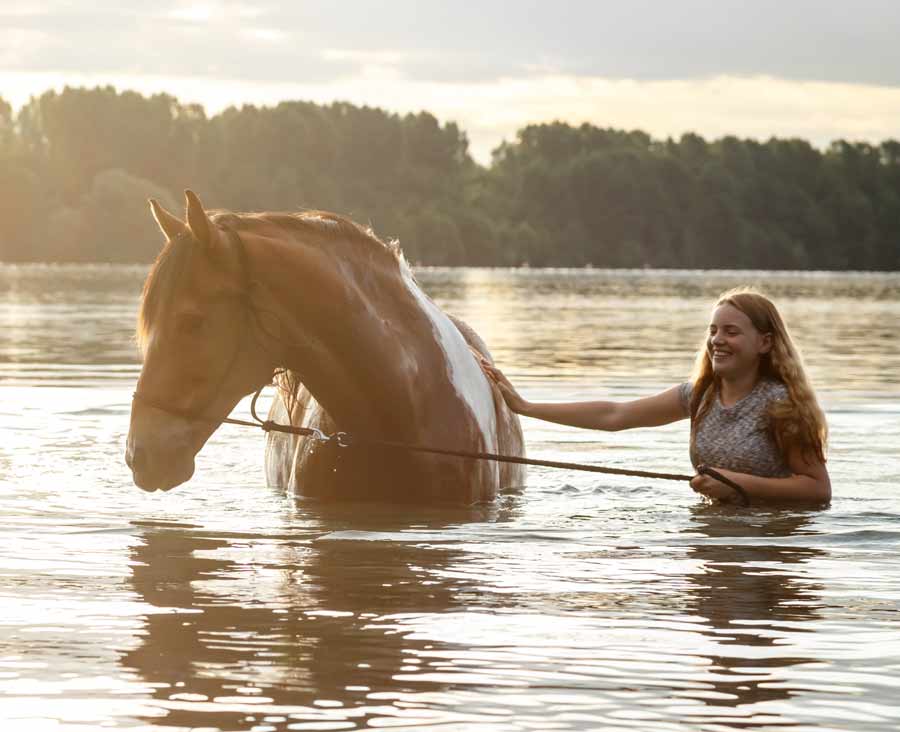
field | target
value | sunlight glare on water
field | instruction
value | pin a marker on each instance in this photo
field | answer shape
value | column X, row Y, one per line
column 579, row 602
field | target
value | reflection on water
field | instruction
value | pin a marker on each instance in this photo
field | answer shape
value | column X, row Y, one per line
column 292, row 627
column 753, row 595
column 577, row 603
column 384, row 623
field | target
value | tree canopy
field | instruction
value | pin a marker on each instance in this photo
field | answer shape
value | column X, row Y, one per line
column 77, row 166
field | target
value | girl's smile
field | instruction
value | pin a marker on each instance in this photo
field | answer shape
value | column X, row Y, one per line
column 735, row 345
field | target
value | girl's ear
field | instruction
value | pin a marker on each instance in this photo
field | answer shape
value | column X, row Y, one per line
column 766, row 345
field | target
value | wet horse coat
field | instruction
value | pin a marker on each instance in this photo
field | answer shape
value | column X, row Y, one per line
column 366, row 352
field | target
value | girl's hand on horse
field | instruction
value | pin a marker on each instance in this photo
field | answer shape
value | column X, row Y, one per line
column 708, row 486
column 512, row 398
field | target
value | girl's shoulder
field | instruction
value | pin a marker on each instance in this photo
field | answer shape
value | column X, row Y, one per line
column 766, row 391
column 773, row 390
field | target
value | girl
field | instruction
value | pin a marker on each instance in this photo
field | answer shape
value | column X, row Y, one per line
column 754, row 416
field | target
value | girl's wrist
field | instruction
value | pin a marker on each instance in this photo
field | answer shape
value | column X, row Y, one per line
column 525, row 408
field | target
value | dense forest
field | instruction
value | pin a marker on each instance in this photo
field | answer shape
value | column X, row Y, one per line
column 77, row 166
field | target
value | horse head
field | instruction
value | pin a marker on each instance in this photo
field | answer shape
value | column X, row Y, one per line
column 192, row 331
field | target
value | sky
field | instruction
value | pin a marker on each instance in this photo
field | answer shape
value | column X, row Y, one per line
column 788, row 68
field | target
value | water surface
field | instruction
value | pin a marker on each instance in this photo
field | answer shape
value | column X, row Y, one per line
column 579, row 602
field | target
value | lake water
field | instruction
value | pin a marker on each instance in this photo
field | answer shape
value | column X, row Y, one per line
column 580, row 602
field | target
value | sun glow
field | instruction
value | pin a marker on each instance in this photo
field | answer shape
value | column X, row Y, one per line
column 757, row 107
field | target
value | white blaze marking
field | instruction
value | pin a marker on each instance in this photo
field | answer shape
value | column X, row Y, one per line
column 465, row 373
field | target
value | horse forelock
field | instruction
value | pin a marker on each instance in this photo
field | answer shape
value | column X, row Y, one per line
column 162, row 285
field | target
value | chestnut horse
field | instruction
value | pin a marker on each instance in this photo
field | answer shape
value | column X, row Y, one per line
column 335, row 315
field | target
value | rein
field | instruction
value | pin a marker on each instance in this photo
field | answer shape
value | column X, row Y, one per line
column 343, row 439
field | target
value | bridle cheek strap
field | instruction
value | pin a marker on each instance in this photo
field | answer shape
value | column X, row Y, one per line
column 243, row 297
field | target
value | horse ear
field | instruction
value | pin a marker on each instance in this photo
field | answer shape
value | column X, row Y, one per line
column 169, row 225
column 197, row 219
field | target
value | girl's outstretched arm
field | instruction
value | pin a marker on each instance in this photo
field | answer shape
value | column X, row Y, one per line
column 652, row 411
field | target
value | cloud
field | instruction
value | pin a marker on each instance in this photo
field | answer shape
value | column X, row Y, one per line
column 455, row 42
column 798, row 68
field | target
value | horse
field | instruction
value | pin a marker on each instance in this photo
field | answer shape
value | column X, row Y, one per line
column 335, row 316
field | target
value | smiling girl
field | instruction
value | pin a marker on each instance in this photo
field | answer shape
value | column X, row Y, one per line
column 754, row 416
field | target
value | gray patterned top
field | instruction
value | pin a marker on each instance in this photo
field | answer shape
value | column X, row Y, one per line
column 738, row 437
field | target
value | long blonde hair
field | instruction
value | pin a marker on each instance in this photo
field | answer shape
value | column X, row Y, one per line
column 796, row 422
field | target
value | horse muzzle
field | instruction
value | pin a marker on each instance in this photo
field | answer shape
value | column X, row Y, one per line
column 152, row 472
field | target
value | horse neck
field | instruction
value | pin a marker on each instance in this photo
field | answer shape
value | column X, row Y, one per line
column 355, row 328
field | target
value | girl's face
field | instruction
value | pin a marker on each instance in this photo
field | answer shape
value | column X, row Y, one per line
column 734, row 344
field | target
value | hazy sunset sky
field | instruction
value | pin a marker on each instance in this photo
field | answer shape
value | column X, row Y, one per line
column 817, row 70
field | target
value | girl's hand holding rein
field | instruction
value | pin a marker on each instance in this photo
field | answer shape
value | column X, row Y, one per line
column 808, row 483
column 708, row 486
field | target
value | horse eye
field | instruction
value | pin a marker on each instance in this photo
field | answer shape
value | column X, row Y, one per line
column 190, row 323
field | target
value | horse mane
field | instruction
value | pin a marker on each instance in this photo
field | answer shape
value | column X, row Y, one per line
column 176, row 258
column 325, row 224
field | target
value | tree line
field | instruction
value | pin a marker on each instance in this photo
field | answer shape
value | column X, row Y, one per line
column 77, row 166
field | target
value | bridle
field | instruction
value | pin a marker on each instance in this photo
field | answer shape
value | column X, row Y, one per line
column 197, row 414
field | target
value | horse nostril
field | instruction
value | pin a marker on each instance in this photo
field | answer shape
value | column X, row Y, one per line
column 137, row 460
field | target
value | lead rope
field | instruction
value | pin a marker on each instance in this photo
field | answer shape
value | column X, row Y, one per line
column 343, row 439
